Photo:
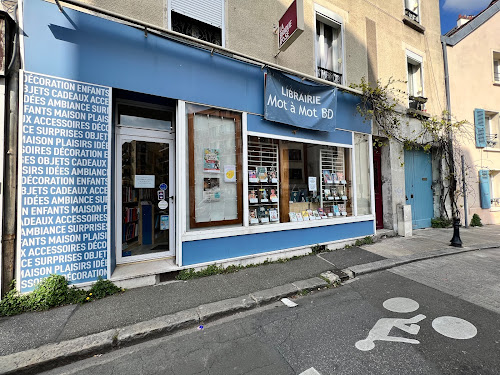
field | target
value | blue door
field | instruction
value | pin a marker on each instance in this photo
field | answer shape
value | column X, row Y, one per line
column 418, row 181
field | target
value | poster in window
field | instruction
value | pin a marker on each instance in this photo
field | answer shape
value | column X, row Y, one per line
column 211, row 189
column 229, row 173
column 164, row 222
column 211, row 160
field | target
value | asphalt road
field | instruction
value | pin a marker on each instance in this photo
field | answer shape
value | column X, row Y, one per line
column 339, row 331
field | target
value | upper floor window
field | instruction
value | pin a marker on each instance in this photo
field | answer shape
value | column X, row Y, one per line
column 412, row 10
column 415, row 82
column 491, row 129
column 329, row 51
column 203, row 20
column 496, row 67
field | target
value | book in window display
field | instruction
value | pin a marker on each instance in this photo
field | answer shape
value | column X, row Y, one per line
column 335, row 177
column 252, row 214
column 336, row 210
column 273, row 196
column 262, row 174
column 252, row 176
column 293, row 217
column 321, row 213
column 299, row 217
column 305, row 216
column 343, row 209
column 263, row 195
column 328, row 194
column 327, row 176
column 316, row 215
column 273, row 215
column 273, row 175
column 252, row 197
column 263, row 214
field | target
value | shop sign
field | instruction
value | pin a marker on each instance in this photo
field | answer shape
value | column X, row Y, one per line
column 64, row 180
column 300, row 104
column 291, row 25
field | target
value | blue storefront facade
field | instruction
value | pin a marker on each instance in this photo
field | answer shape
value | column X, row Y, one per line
column 139, row 147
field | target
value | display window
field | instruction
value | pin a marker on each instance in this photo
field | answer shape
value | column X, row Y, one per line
column 215, row 168
column 295, row 182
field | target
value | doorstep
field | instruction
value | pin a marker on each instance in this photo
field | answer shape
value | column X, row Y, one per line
column 135, row 275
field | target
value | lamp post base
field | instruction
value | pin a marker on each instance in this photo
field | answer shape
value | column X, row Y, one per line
column 456, row 241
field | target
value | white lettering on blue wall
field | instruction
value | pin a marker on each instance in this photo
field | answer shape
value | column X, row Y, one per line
column 64, row 180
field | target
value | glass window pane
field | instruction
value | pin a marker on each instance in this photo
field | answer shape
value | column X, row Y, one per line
column 363, row 178
column 145, row 226
column 292, row 181
column 143, row 117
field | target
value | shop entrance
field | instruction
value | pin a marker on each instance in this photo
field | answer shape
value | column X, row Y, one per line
column 145, row 192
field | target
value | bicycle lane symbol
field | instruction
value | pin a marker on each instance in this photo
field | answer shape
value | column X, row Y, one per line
column 449, row 326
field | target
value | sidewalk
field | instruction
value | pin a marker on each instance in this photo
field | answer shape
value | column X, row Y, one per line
column 28, row 342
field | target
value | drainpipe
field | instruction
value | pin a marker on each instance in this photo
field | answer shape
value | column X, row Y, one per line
column 453, row 181
column 455, row 240
column 10, row 168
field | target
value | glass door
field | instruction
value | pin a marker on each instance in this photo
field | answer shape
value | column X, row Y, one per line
column 145, row 185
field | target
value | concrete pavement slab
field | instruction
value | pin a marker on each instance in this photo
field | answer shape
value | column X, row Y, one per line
column 343, row 258
column 30, row 330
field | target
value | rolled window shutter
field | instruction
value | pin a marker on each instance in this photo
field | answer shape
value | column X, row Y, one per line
column 484, row 188
column 207, row 11
column 479, row 122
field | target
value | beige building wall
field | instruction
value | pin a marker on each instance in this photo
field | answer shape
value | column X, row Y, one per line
column 472, row 86
column 375, row 40
column 375, row 37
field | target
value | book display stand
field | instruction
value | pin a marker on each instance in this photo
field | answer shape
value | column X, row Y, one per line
column 263, row 181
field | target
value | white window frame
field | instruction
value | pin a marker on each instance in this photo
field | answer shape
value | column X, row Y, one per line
column 414, row 59
column 418, row 12
column 494, row 175
column 332, row 19
column 223, row 27
column 496, row 67
column 491, row 125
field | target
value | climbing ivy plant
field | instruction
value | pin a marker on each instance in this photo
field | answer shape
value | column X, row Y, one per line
column 442, row 136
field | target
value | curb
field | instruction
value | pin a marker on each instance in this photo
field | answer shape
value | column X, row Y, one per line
column 386, row 264
column 56, row 354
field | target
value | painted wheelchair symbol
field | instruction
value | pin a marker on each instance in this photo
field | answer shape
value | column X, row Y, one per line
column 448, row 326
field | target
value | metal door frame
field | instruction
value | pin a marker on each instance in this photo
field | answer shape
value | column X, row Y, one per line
column 124, row 134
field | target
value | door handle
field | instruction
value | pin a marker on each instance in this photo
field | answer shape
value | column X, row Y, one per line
column 411, row 196
column 171, row 197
